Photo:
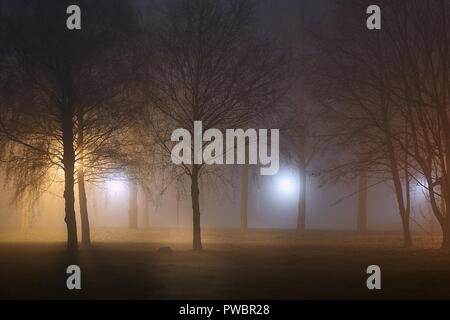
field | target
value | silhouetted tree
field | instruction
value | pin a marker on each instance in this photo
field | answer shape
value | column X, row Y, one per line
column 368, row 127
column 70, row 80
column 209, row 67
column 421, row 64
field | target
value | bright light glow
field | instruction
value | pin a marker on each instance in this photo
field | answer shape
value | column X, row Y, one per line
column 286, row 185
column 422, row 188
column 116, row 186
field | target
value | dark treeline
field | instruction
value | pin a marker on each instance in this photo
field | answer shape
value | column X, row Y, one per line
column 63, row 94
column 105, row 99
column 386, row 101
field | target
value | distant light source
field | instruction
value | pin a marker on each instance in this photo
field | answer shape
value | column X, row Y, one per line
column 116, row 186
column 286, row 185
column 422, row 186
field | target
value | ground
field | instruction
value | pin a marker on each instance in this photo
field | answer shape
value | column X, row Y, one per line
column 258, row 265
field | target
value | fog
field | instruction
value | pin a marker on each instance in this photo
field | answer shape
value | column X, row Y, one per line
column 271, row 205
column 198, row 149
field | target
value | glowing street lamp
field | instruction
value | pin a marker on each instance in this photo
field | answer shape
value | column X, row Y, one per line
column 286, row 185
column 116, row 186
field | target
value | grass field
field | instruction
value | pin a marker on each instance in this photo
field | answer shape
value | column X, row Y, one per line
column 273, row 264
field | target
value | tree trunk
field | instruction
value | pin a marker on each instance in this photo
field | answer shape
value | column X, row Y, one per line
column 178, row 196
column 244, row 198
column 404, row 203
column 82, row 199
column 445, row 235
column 69, row 180
column 195, row 193
column 362, row 201
column 85, row 228
column 145, row 208
column 301, row 219
column 132, row 210
column 407, row 239
column 301, row 214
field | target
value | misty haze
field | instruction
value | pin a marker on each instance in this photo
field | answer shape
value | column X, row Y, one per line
column 87, row 171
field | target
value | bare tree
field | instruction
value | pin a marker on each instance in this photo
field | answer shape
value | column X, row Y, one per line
column 209, row 67
column 421, row 63
column 301, row 141
column 367, row 125
column 46, row 129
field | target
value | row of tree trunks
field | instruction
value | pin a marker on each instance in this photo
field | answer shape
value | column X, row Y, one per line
column 133, row 207
column 301, row 218
column 132, row 212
